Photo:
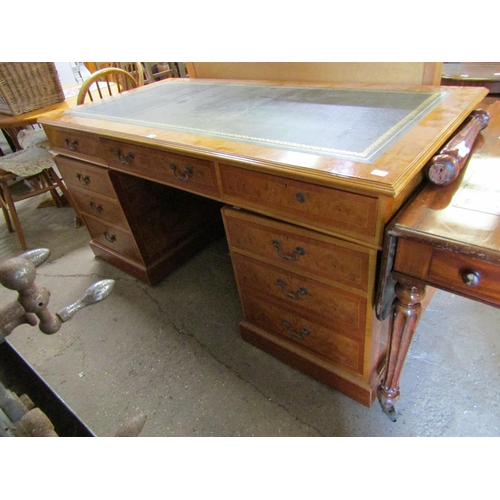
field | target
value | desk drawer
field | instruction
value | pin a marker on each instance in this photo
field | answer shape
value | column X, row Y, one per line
column 446, row 269
column 80, row 175
column 309, row 205
column 112, row 237
column 298, row 249
column 100, row 207
column 327, row 304
column 304, row 333
column 187, row 173
column 72, row 143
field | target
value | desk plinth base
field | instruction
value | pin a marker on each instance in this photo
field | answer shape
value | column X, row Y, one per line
column 359, row 390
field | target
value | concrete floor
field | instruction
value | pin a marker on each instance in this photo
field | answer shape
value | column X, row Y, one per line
column 174, row 352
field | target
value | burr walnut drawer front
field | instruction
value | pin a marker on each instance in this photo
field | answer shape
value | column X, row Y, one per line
column 100, row 207
column 299, row 249
column 332, row 210
column 112, row 237
column 72, row 143
column 80, row 175
column 449, row 270
column 327, row 304
column 185, row 172
column 307, row 334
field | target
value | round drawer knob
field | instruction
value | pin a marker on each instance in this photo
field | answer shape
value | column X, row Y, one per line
column 471, row 277
column 301, row 198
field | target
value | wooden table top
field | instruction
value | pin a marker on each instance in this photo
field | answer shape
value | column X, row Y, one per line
column 8, row 121
column 465, row 215
column 388, row 174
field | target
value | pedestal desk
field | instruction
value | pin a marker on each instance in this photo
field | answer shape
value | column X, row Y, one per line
column 306, row 177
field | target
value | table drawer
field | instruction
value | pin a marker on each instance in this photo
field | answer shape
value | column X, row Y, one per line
column 451, row 271
column 80, row 175
column 329, row 305
column 305, row 333
column 101, row 207
column 72, row 143
column 112, row 237
column 191, row 174
column 299, row 249
column 328, row 209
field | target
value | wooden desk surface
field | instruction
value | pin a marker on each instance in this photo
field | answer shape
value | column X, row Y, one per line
column 464, row 215
column 389, row 174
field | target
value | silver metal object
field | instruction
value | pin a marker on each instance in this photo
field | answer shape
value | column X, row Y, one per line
column 31, row 306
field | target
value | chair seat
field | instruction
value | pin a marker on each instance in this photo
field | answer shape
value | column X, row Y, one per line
column 33, row 138
column 27, row 162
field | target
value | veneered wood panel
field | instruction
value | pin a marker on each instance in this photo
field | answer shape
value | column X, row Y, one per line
column 309, row 205
column 304, row 333
column 298, row 249
column 184, row 172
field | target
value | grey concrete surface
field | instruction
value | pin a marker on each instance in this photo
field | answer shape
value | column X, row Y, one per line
column 174, row 352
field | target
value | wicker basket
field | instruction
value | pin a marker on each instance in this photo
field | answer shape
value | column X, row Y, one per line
column 26, row 86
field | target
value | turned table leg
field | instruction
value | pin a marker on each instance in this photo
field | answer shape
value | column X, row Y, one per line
column 404, row 317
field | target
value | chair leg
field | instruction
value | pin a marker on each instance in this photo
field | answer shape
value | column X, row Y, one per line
column 65, row 198
column 56, row 198
column 13, row 213
column 6, row 212
column 9, row 140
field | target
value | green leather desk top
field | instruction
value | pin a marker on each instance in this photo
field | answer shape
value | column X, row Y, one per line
column 346, row 123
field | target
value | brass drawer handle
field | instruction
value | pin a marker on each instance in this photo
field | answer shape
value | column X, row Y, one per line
column 124, row 159
column 83, row 179
column 109, row 237
column 97, row 209
column 298, row 335
column 471, row 277
column 70, row 144
column 188, row 172
column 295, row 254
column 297, row 295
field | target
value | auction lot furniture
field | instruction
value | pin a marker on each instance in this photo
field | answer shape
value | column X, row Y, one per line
column 308, row 177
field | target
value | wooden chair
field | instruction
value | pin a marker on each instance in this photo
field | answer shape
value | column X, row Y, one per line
column 136, row 69
column 104, row 83
column 156, row 71
column 25, row 174
column 31, row 171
